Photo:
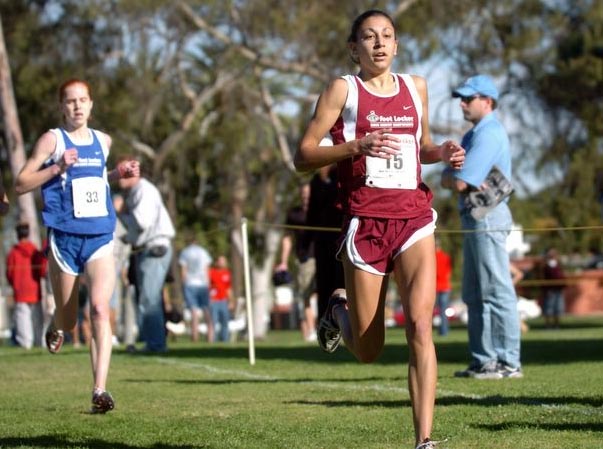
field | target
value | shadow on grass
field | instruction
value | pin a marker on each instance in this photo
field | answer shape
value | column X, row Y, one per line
column 43, row 352
column 66, row 442
column 533, row 352
column 487, row 401
column 279, row 380
column 497, row 400
column 558, row 426
column 273, row 352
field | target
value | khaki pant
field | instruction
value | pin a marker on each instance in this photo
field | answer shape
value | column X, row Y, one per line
column 305, row 286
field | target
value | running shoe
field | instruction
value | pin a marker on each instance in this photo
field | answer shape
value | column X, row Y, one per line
column 102, row 402
column 509, row 373
column 486, row 371
column 54, row 340
column 329, row 334
column 467, row 372
column 429, row 444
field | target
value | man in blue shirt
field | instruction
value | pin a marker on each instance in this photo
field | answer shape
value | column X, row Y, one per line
column 494, row 332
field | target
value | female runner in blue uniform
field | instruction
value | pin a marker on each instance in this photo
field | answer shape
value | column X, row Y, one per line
column 69, row 163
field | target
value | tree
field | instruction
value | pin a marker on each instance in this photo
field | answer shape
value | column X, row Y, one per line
column 548, row 59
column 14, row 140
column 213, row 95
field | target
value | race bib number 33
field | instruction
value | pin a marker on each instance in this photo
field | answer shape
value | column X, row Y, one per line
column 398, row 172
column 89, row 197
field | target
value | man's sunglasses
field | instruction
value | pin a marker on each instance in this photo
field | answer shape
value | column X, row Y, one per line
column 468, row 100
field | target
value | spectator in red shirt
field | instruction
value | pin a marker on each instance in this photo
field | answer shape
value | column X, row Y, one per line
column 443, row 286
column 25, row 267
column 220, row 297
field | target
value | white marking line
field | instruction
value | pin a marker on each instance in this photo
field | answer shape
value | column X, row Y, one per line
column 214, row 370
column 350, row 387
column 248, row 375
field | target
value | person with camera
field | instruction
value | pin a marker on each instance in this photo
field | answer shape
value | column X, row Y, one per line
column 299, row 242
column 150, row 232
column 488, row 291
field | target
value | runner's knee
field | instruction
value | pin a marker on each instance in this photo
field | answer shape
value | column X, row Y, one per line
column 418, row 332
column 99, row 312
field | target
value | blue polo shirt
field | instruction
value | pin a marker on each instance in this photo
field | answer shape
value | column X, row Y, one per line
column 486, row 146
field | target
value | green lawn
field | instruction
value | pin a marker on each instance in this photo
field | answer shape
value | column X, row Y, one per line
column 296, row 397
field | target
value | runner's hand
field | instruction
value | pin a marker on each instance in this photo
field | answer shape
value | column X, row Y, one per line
column 380, row 143
column 453, row 154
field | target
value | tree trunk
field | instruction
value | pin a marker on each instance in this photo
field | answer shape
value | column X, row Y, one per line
column 261, row 278
column 14, row 140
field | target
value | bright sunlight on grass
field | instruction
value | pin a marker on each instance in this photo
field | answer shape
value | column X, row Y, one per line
column 296, row 397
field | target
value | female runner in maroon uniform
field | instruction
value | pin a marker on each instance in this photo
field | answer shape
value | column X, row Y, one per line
column 378, row 123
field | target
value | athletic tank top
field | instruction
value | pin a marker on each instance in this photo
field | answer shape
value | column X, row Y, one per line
column 375, row 187
column 79, row 200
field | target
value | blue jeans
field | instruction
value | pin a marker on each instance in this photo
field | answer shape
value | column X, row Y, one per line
column 151, row 273
column 442, row 299
column 494, row 332
column 553, row 303
column 220, row 314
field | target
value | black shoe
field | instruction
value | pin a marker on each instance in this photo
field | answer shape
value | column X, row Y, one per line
column 102, row 403
column 467, row 372
column 329, row 334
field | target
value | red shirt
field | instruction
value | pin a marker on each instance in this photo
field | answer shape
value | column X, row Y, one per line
column 25, row 266
column 219, row 280
column 443, row 271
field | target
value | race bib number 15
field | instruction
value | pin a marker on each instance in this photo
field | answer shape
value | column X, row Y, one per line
column 89, row 197
column 398, row 172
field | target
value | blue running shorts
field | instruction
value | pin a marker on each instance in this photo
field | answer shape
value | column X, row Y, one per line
column 73, row 251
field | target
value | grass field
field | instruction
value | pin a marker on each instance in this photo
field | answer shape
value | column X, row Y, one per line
column 296, row 397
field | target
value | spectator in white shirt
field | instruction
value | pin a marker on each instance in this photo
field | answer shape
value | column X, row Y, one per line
column 150, row 231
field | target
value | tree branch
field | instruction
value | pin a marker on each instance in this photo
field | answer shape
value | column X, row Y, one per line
column 277, row 125
column 172, row 141
column 402, row 8
column 248, row 53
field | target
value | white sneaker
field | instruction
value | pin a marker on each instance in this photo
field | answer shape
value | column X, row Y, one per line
column 509, row 373
column 429, row 444
column 488, row 371
column 312, row 337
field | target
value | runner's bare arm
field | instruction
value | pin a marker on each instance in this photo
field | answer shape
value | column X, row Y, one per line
column 449, row 152
column 310, row 155
column 30, row 176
